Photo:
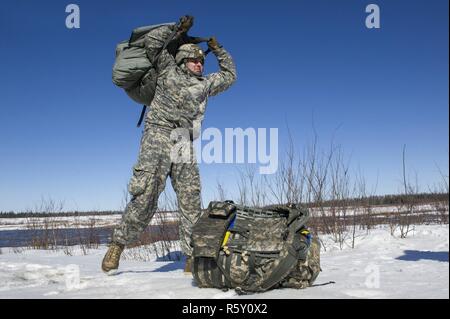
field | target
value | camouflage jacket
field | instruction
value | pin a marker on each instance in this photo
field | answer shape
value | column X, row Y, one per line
column 181, row 97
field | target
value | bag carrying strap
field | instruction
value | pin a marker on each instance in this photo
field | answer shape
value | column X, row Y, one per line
column 197, row 40
column 284, row 267
column 141, row 117
column 296, row 221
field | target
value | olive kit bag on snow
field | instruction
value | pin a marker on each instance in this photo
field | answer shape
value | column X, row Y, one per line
column 253, row 250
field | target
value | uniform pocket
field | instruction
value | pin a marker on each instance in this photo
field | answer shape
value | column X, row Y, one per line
column 138, row 182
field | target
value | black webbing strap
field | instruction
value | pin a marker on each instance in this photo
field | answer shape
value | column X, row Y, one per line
column 207, row 272
column 221, row 264
column 251, row 264
column 286, row 264
column 239, row 260
column 224, row 265
column 197, row 40
column 141, row 118
column 197, row 269
column 282, row 270
column 324, row 284
column 216, row 274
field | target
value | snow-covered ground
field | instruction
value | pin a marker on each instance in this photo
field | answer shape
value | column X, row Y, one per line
column 381, row 266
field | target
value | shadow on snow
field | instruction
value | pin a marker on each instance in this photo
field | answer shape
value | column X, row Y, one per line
column 416, row 255
column 178, row 261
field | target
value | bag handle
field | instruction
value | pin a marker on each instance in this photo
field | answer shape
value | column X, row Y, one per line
column 197, row 40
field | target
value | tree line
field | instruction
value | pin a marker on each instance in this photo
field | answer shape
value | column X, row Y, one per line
column 378, row 200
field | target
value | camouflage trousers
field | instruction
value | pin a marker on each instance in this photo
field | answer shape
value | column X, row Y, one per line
column 155, row 164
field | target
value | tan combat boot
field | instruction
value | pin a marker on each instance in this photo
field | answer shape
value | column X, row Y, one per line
column 188, row 266
column 110, row 262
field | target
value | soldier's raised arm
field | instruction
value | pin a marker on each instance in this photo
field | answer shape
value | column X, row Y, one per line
column 222, row 80
column 156, row 38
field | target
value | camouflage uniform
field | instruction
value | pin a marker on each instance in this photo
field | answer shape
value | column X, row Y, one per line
column 179, row 104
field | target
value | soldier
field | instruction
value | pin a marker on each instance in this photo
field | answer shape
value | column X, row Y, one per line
column 177, row 110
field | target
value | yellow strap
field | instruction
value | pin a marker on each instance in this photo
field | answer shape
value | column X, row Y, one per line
column 225, row 239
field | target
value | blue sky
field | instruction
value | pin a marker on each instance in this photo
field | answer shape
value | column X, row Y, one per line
column 67, row 133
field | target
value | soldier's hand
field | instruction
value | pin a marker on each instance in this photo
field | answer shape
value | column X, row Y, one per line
column 213, row 44
column 186, row 22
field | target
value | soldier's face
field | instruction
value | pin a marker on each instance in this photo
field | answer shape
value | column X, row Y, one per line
column 195, row 66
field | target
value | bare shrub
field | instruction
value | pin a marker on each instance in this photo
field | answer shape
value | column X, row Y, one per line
column 140, row 253
column 407, row 208
column 68, row 250
column 160, row 239
column 251, row 186
column 341, row 203
column 442, row 206
column 442, row 209
column 51, row 232
column 221, row 192
column 314, row 179
column 328, row 189
column 288, row 183
column 46, row 231
column 18, row 250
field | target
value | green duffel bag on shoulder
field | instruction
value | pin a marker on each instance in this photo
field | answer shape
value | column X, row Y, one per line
column 132, row 70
